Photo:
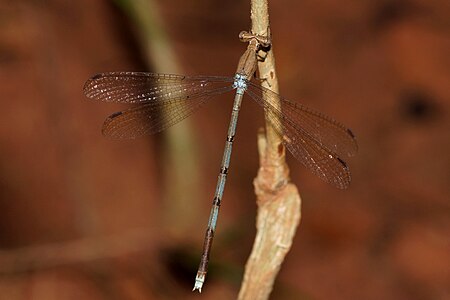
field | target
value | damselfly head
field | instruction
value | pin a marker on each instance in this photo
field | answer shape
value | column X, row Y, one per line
column 262, row 41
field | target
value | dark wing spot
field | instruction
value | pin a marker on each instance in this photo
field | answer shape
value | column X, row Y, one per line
column 342, row 162
column 97, row 76
column 116, row 114
column 350, row 133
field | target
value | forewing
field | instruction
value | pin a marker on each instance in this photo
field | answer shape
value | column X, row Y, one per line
column 163, row 99
column 317, row 141
column 141, row 87
column 329, row 133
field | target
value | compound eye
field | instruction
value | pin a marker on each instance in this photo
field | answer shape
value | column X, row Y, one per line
column 246, row 36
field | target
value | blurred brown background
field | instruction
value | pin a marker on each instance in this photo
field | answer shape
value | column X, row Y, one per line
column 83, row 217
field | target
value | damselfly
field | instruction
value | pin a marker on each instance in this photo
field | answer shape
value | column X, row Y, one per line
column 317, row 141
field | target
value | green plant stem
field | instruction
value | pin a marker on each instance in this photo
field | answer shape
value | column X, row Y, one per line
column 181, row 161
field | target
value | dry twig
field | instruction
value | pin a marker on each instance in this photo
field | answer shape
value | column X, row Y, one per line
column 278, row 200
